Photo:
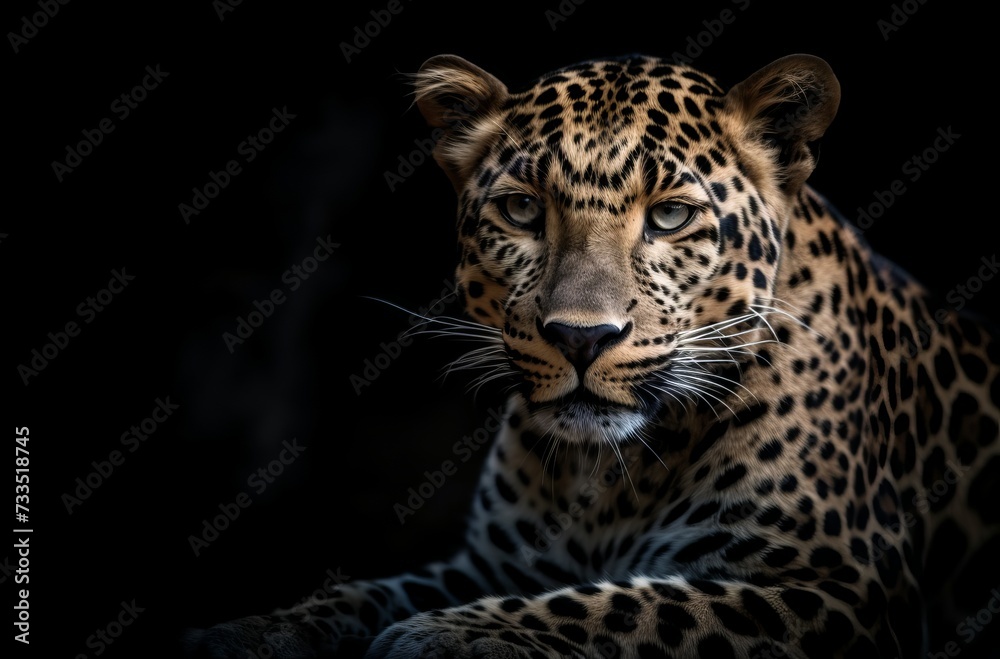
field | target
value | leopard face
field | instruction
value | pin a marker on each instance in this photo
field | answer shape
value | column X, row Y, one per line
column 620, row 223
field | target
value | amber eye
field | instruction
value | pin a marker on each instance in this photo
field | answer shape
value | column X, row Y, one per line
column 521, row 210
column 669, row 217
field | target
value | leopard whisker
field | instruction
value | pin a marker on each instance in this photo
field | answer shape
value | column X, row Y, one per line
column 733, row 347
column 702, row 375
column 668, row 392
column 485, row 379
column 734, row 350
column 707, row 330
column 769, row 326
column 695, row 360
column 448, row 329
column 691, row 392
column 784, row 313
column 722, row 336
column 655, row 454
column 621, row 459
column 702, row 391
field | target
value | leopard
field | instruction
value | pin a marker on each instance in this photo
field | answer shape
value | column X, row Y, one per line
column 732, row 429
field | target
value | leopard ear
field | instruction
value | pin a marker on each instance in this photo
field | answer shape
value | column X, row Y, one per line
column 455, row 96
column 786, row 107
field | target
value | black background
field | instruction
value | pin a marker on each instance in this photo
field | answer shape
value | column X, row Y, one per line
column 325, row 176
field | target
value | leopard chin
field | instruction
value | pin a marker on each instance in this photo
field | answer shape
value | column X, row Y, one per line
column 583, row 417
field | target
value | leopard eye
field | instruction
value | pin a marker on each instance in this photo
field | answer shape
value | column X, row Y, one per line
column 521, row 210
column 669, row 217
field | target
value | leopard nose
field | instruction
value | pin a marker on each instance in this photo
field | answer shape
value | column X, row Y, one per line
column 581, row 345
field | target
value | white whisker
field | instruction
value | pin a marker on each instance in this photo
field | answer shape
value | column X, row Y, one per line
column 621, row 459
column 692, row 391
column 752, row 330
column 706, row 392
column 709, row 383
column 715, row 327
column 655, row 454
column 707, row 373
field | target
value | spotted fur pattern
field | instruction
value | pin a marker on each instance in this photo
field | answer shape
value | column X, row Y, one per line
column 735, row 431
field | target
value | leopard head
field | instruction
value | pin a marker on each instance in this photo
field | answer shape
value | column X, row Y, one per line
column 618, row 220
